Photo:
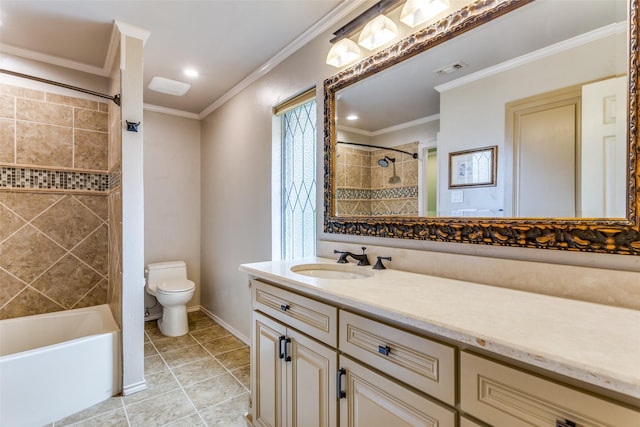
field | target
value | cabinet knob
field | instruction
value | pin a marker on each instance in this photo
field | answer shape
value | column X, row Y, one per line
column 384, row 349
column 284, row 307
column 565, row 423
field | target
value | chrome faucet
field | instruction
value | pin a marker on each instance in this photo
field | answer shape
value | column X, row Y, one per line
column 362, row 258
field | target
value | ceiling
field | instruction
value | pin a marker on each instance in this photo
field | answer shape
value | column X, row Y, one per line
column 224, row 40
column 408, row 92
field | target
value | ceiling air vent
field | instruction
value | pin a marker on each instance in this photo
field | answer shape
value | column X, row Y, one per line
column 451, row 68
column 168, row 86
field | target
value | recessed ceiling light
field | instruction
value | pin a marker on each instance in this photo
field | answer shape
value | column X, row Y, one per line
column 191, row 72
column 168, row 86
column 352, row 117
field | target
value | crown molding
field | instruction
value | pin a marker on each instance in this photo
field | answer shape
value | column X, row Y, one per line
column 132, row 31
column 53, row 60
column 427, row 119
column 582, row 39
column 170, row 111
column 329, row 20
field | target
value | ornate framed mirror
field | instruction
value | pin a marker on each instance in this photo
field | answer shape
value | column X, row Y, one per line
column 494, row 73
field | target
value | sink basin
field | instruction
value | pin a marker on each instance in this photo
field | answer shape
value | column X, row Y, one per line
column 333, row 271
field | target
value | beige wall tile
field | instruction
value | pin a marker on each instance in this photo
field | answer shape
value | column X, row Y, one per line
column 91, row 120
column 67, row 281
column 54, row 98
column 9, row 287
column 27, row 303
column 28, row 253
column 67, row 222
column 90, row 150
column 98, row 204
column 103, row 106
column 21, row 92
column 7, row 106
column 44, row 145
column 43, row 112
column 97, row 296
column 94, row 250
column 9, row 222
column 28, row 205
column 7, row 140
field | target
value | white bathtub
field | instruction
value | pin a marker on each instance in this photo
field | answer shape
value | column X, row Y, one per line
column 53, row 365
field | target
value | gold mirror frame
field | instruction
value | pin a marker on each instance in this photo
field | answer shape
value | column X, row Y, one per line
column 590, row 235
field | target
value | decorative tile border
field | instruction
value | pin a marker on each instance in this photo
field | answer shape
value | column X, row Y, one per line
column 33, row 178
column 379, row 194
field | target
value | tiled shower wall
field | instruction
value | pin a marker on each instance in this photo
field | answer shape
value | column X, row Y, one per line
column 363, row 186
column 53, row 202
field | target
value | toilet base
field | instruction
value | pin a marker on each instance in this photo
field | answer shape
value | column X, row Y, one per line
column 174, row 321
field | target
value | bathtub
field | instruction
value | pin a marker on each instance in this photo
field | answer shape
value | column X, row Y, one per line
column 53, row 365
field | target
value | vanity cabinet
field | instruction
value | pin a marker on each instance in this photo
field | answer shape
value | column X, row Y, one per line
column 504, row 396
column 322, row 362
column 293, row 379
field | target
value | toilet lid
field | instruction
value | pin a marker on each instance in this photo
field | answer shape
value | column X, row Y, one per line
column 175, row 286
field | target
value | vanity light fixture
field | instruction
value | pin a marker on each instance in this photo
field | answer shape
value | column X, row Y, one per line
column 343, row 52
column 415, row 12
column 377, row 32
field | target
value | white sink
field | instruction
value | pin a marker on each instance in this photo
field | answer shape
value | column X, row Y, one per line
column 333, row 271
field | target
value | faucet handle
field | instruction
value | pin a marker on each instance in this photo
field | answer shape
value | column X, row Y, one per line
column 343, row 256
column 379, row 265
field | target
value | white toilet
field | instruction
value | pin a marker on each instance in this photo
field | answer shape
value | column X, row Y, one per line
column 167, row 281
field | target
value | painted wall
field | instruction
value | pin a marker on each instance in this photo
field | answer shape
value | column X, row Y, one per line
column 236, row 148
column 172, row 193
column 480, row 105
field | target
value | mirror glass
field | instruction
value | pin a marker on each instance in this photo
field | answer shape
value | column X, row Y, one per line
column 523, row 116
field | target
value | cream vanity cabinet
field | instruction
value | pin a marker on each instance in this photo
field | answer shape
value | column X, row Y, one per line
column 293, row 376
column 297, row 381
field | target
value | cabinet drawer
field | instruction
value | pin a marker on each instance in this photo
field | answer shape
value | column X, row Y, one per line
column 424, row 364
column 466, row 422
column 314, row 318
column 500, row 395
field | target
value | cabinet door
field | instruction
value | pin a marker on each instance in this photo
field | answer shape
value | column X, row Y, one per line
column 375, row 401
column 268, row 373
column 311, row 383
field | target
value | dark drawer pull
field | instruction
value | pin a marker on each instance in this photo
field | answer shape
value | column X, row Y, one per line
column 384, row 349
column 341, row 394
column 284, row 307
column 281, row 353
column 565, row 423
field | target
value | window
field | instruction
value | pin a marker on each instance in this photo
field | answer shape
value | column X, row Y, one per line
column 295, row 235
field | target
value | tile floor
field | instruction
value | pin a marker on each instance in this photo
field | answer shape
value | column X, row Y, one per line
column 199, row 379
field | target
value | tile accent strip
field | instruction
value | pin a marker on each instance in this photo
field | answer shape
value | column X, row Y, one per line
column 380, row 194
column 33, row 178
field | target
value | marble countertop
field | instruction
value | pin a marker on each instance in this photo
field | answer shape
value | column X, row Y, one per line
column 594, row 343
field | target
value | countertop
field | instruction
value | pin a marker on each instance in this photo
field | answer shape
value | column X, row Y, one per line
column 593, row 343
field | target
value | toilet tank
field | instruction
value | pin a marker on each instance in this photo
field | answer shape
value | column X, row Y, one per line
column 164, row 271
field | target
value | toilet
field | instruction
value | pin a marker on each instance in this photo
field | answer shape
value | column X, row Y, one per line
column 167, row 281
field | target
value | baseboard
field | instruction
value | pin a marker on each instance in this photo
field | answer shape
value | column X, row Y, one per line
column 134, row 388
column 225, row 325
column 194, row 308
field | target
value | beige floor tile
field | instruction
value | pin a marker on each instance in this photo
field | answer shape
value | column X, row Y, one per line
column 153, row 364
column 185, row 355
column 214, row 390
column 227, row 414
column 223, row 345
column 196, row 315
column 115, row 418
column 235, row 358
column 198, row 371
column 97, row 409
column 149, row 350
column 190, row 421
column 160, row 410
column 173, row 343
column 201, row 323
column 243, row 375
column 151, row 324
column 154, row 334
column 213, row 332
column 158, row 383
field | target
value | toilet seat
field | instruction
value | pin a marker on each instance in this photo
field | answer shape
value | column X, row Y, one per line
column 174, row 286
